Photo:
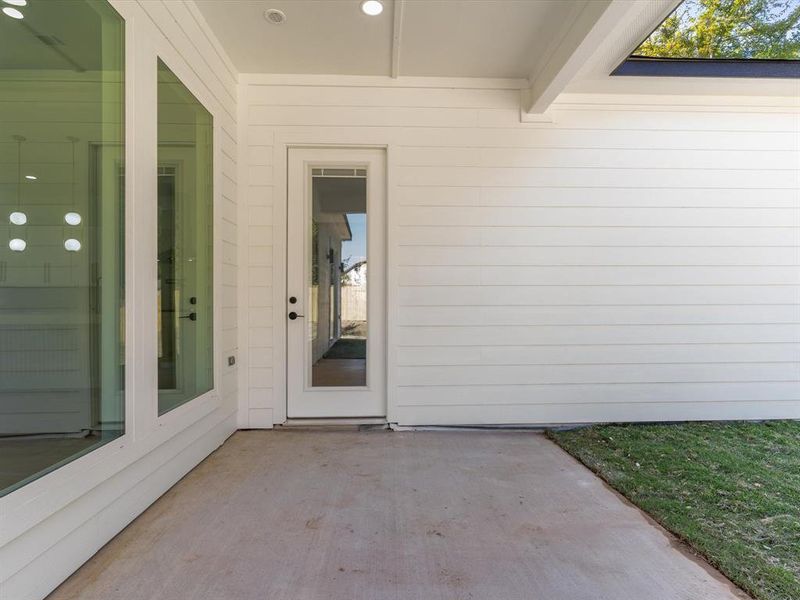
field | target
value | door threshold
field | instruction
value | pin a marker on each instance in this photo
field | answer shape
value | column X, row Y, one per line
column 372, row 422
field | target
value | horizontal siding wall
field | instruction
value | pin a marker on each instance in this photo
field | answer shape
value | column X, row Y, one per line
column 624, row 262
column 259, row 405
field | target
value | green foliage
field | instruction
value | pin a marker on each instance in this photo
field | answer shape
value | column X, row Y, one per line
column 766, row 29
column 731, row 490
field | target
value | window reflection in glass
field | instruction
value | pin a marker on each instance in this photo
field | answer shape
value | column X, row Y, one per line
column 62, row 222
column 185, row 250
column 338, row 287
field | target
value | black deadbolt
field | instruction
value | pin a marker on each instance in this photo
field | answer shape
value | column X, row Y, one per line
column 292, row 300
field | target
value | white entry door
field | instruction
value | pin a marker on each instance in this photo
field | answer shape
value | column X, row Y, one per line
column 336, row 284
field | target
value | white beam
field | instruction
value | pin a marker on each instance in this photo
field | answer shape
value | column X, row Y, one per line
column 596, row 21
column 397, row 30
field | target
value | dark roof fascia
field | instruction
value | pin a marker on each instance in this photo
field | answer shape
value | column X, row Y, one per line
column 645, row 66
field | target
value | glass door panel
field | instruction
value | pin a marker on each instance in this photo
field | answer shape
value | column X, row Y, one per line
column 338, row 278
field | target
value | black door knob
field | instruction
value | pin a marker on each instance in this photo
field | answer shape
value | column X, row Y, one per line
column 293, row 315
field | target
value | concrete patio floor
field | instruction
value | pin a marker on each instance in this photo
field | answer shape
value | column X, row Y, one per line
column 302, row 515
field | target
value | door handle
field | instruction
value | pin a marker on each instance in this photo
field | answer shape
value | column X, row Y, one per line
column 191, row 316
column 293, row 315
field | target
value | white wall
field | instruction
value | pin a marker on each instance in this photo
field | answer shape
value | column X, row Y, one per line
column 634, row 259
column 50, row 527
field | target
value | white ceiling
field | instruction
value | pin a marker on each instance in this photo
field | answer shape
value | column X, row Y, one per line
column 450, row 38
column 319, row 36
column 557, row 45
column 470, row 38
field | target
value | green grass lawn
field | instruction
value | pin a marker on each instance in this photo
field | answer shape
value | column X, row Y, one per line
column 730, row 490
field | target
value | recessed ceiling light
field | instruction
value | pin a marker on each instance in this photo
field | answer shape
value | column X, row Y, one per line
column 72, row 218
column 17, row 245
column 371, row 7
column 31, row 177
column 18, row 218
column 16, row 2
column 275, row 16
column 14, row 14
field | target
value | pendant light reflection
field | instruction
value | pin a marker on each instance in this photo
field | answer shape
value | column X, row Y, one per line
column 372, row 8
column 18, row 218
column 73, row 218
column 13, row 13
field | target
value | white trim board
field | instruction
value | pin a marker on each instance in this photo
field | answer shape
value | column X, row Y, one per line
column 382, row 81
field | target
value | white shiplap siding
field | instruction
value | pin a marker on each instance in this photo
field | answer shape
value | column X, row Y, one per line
column 631, row 260
column 257, row 405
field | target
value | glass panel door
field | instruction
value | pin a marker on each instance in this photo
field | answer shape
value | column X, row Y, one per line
column 336, row 283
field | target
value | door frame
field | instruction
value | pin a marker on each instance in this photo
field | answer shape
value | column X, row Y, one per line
column 335, row 155
column 272, row 408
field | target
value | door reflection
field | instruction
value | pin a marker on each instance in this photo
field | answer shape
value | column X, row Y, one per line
column 338, row 287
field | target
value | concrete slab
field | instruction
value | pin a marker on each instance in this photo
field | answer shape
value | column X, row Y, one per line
column 312, row 515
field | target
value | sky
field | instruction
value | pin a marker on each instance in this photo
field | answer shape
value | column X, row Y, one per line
column 355, row 250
